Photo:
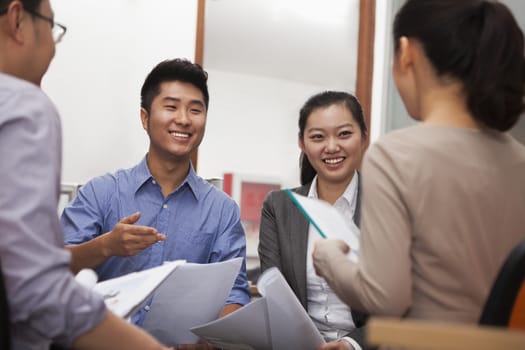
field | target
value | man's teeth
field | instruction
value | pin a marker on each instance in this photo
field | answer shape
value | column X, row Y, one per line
column 333, row 161
column 179, row 134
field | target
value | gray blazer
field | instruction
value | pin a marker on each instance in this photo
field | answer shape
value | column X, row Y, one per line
column 283, row 240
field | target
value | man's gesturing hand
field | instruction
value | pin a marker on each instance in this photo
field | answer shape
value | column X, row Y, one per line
column 128, row 239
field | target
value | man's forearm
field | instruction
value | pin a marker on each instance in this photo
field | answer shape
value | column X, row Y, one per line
column 115, row 333
column 89, row 254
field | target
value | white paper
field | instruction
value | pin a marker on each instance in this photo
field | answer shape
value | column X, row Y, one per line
column 125, row 295
column 193, row 294
column 330, row 221
column 290, row 325
column 245, row 328
column 276, row 321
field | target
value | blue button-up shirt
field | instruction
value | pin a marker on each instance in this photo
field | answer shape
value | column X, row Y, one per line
column 201, row 223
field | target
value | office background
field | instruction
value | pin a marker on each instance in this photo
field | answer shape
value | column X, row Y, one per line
column 98, row 70
column 264, row 58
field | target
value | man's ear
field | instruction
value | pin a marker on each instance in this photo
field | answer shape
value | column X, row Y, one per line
column 144, row 115
column 15, row 16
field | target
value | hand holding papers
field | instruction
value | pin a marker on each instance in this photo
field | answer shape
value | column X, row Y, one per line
column 192, row 295
column 277, row 321
column 328, row 221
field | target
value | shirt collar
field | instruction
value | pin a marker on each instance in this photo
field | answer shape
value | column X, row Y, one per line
column 193, row 182
column 312, row 193
column 348, row 194
column 142, row 175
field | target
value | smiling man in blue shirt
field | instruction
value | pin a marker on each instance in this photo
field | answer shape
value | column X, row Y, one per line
column 160, row 209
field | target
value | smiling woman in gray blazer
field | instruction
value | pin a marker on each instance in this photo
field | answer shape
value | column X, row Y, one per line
column 332, row 138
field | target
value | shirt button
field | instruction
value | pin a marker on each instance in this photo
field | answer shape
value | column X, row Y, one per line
column 146, row 308
column 154, row 182
column 165, row 206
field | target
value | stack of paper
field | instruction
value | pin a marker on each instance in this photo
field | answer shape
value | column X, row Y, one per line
column 124, row 295
column 192, row 295
column 277, row 321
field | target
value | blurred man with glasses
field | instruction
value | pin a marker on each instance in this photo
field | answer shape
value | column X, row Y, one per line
column 45, row 304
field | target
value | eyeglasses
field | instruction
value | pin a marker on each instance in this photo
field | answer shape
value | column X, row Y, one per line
column 57, row 30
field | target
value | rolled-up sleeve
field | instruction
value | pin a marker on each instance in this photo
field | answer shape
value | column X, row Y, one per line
column 45, row 301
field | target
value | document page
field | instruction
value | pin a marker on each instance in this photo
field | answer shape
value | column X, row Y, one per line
column 290, row 325
column 329, row 221
column 125, row 295
column 277, row 321
column 246, row 328
column 192, row 295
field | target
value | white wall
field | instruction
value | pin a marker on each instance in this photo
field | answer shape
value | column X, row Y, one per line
column 98, row 70
column 252, row 126
column 313, row 41
column 265, row 59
